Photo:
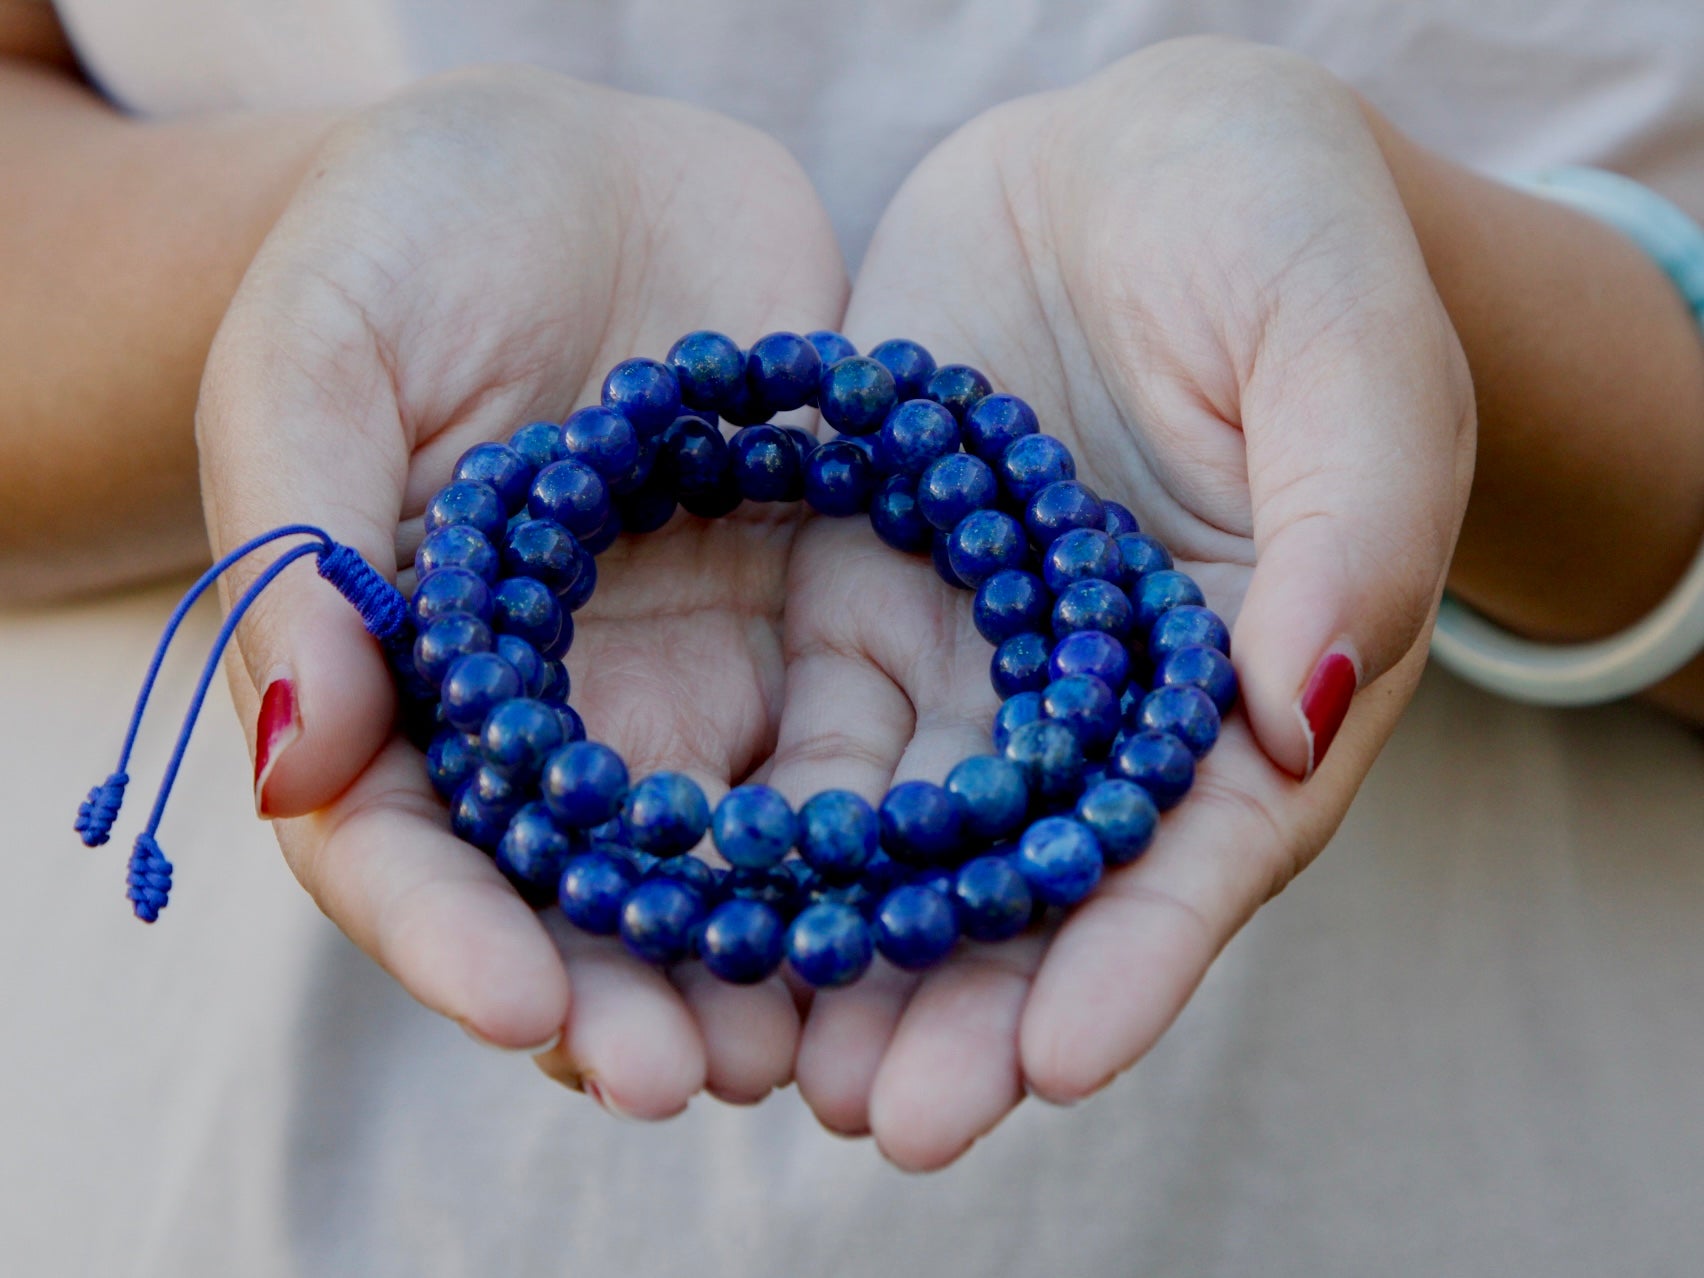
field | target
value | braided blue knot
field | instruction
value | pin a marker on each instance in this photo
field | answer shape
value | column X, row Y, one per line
column 96, row 814
column 381, row 605
column 150, row 878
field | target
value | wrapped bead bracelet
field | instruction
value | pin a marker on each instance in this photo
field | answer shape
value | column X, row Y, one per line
column 1113, row 674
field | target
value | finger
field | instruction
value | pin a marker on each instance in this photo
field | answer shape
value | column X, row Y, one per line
column 751, row 1033
column 843, row 1042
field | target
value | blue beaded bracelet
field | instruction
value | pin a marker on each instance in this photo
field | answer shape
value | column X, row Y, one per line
column 1113, row 674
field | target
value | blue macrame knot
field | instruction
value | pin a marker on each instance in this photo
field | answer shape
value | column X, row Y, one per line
column 150, row 878
column 381, row 605
column 96, row 814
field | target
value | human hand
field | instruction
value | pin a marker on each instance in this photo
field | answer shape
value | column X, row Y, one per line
column 469, row 256
column 1196, row 268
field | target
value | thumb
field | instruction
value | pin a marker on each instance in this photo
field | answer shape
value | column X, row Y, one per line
column 1360, row 456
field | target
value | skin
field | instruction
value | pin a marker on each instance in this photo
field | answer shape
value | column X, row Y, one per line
column 475, row 252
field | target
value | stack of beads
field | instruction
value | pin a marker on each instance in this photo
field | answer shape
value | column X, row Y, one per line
column 1113, row 674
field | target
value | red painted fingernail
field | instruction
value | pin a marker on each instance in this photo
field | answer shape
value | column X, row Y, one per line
column 277, row 726
column 1324, row 703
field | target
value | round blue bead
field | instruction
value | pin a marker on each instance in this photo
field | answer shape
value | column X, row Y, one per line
column 450, row 590
column 1080, row 554
column 1158, row 762
column 666, row 814
column 1060, row 859
column 920, row 824
column 525, row 659
column 991, row 796
column 631, row 480
column 896, row 519
column 838, row 834
column 600, row 541
column 593, row 886
column 1051, row 758
column 555, row 686
column 693, row 455
column 914, row 434
column 840, row 479
column 645, row 392
column 911, row 365
column 1187, row 626
column 1199, row 667
column 753, row 826
column 539, row 443
column 985, row 542
column 496, row 788
column 782, row 371
column 957, row 388
column 696, row 874
column 713, row 503
column 1158, row 593
column 1020, row 665
column 573, row 495
column 776, row 886
column 1061, row 507
column 831, row 347
column 940, row 551
column 573, row 726
column 803, row 441
column 659, row 920
column 603, row 440
column 580, row 593
column 474, row 820
column 1085, row 705
column 451, row 760
column 1093, row 605
column 829, row 945
column 994, row 422
column 855, row 396
column 915, row 927
column 532, row 854
column 648, row 507
column 1032, row 462
column 742, row 941
column 1014, row 712
column 445, row 641
column 1139, row 555
column 475, row 685
column 519, row 735
column 1091, row 652
column 953, row 486
column 992, row 899
column 501, row 467
column 710, row 368
column 457, row 546
column 1186, row 712
column 1008, row 603
column 545, row 550
column 1122, row 818
column 527, row 607
column 765, row 464
column 585, row 783
column 471, row 503
column 1119, row 520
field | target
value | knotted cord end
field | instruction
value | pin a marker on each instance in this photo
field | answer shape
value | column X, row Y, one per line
column 150, row 878
column 381, row 605
column 96, row 813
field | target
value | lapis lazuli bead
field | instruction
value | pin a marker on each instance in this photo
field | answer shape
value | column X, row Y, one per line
column 1200, row 667
column 450, row 760
column 992, row 899
column 1139, row 555
column 710, row 368
column 753, row 826
column 447, row 640
column 555, row 686
column 1093, row 605
column 1020, row 665
column 1010, row 602
column 940, row 552
column 580, row 593
column 838, row 834
column 474, row 820
column 921, row 824
column 1051, row 757
column 715, row 502
column 1091, row 652
column 659, row 918
column 765, row 464
column 896, row 519
column 1014, row 712
column 742, row 941
column 855, row 395
column 994, row 422
column 991, row 796
column 503, row 468
column 1159, row 592
column 1061, row 507
column 572, row 494
column 840, row 479
column 782, row 371
column 1185, row 711
column 1158, row 762
column 1122, row 817
column 911, row 365
column 525, row 659
column 1080, row 554
column 539, row 443
column 1187, row 626
column 495, row 787
column 985, row 542
column 450, row 590
column 915, row 434
column 697, row 875
column 573, row 726
column 585, row 783
column 831, row 347
column 647, row 507
column 666, row 814
column 914, row 927
column 775, row 886
column 627, row 482
column 1085, row 705
column 957, row 388
column 829, row 945
column 953, row 486
column 470, row 502
column 474, row 686
column 602, row 439
column 1032, row 462
column 1060, row 859
column 592, row 888
column 527, row 607
column 645, row 392
column 545, row 550
column 1119, row 520
column 457, row 546
column 519, row 735
column 693, row 455
column 532, row 854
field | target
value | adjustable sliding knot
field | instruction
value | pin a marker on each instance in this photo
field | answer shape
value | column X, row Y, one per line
column 150, row 878
column 381, row 605
column 96, row 814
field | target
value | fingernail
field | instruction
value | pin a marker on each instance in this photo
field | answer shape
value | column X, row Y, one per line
column 548, row 1045
column 1325, row 701
column 277, row 726
column 597, row 1093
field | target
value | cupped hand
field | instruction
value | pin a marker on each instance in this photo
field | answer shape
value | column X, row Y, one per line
column 465, row 258
column 1197, row 269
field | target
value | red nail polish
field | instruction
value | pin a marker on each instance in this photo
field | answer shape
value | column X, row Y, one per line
column 275, row 728
column 1325, row 701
